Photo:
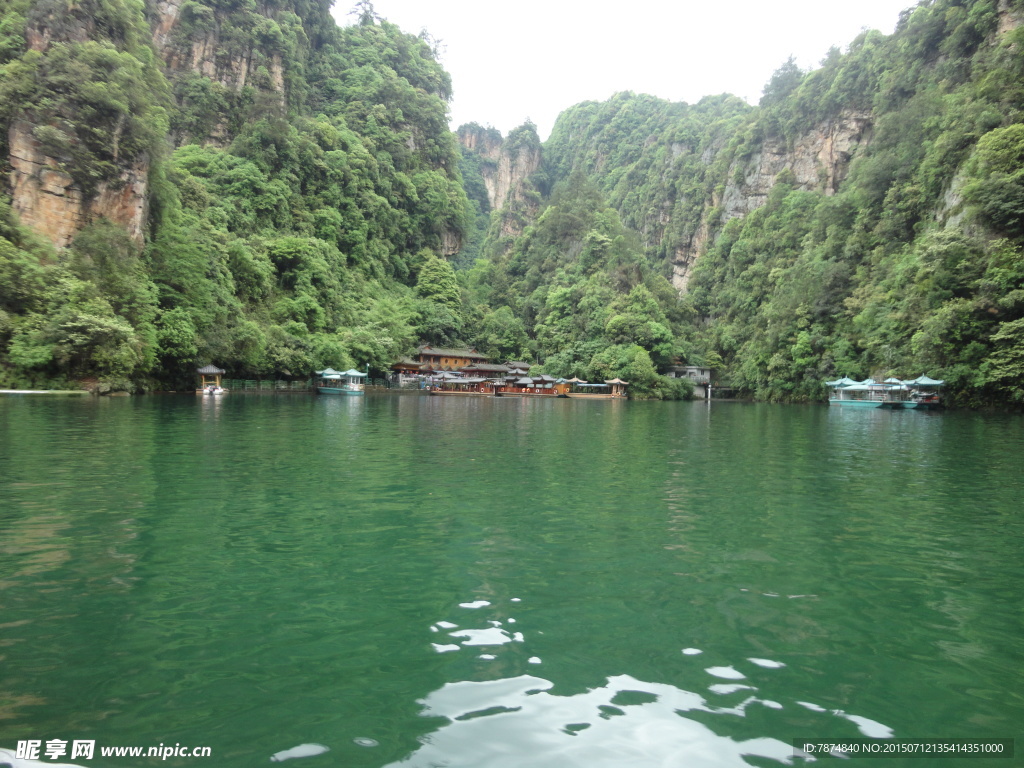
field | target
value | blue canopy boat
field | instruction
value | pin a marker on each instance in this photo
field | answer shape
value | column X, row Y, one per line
column 891, row 393
column 332, row 382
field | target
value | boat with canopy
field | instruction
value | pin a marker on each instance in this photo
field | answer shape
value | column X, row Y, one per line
column 332, row 382
column 892, row 393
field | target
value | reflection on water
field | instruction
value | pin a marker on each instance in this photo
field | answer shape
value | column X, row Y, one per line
column 517, row 722
column 509, row 722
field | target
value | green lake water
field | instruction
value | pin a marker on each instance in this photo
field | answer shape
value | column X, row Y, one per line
column 506, row 583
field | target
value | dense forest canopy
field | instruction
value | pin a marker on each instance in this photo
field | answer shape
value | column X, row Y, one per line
column 255, row 186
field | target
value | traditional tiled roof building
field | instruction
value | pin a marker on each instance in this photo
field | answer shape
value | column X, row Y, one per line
column 442, row 359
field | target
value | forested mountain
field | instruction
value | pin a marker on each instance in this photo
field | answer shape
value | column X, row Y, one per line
column 217, row 181
column 253, row 185
column 865, row 219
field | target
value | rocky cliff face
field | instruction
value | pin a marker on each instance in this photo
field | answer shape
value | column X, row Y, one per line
column 205, row 52
column 819, row 160
column 43, row 193
column 1009, row 17
column 46, row 196
column 506, row 166
column 49, row 202
column 204, row 48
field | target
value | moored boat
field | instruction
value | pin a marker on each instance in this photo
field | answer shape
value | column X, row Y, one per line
column 463, row 387
column 613, row 389
column 541, row 385
column 923, row 396
column 332, row 382
column 893, row 393
column 210, row 380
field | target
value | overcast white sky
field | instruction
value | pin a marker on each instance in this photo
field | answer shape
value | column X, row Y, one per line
column 510, row 61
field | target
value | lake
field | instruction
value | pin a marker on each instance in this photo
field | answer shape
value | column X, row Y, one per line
column 505, row 583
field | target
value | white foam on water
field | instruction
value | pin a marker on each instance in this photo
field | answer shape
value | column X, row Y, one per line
column 727, row 673
column 767, row 663
column 474, row 604
column 303, row 750
column 726, row 688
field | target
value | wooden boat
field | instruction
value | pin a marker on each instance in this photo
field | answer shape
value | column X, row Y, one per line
column 464, row 387
column 613, row 389
column 541, row 385
column 332, row 382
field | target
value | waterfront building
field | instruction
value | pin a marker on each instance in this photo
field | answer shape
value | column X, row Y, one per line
column 444, row 359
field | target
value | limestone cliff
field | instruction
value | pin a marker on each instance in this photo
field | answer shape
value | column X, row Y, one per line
column 1010, row 17
column 44, row 190
column 506, row 165
column 50, row 202
column 196, row 42
column 818, row 160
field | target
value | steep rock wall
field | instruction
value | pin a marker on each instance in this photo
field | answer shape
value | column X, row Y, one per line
column 1009, row 18
column 505, row 167
column 48, row 201
column 43, row 194
column 214, row 54
column 47, row 198
column 515, row 166
column 818, row 160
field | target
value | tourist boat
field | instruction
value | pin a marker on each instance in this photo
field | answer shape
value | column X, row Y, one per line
column 613, row 389
column 332, row 382
column 463, row 387
column 541, row 385
column 924, row 397
column 892, row 393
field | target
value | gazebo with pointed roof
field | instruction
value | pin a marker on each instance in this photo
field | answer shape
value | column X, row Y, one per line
column 618, row 386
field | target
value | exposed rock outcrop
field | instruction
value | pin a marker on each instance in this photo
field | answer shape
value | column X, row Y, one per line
column 44, row 195
column 506, row 166
column 1009, row 18
column 819, row 160
column 49, row 202
column 47, row 198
